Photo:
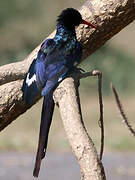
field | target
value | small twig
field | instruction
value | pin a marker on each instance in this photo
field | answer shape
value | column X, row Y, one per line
column 122, row 113
column 101, row 122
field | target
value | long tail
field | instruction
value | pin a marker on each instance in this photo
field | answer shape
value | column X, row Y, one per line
column 46, row 119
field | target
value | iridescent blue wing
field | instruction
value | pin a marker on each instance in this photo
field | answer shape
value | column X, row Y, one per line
column 58, row 65
column 41, row 62
column 50, row 66
column 32, row 84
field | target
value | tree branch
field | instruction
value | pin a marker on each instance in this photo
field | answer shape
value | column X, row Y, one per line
column 10, row 99
column 121, row 110
column 97, row 73
column 67, row 97
column 109, row 15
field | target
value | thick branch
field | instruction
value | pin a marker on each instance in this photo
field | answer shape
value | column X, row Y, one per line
column 11, row 104
column 67, row 98
column 109, row 15
column 13, row 72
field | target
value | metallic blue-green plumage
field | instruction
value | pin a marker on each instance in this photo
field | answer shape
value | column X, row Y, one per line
column 56, row 59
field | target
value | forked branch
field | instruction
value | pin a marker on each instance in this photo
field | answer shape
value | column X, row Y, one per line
column 67, row 97
column 101, row 122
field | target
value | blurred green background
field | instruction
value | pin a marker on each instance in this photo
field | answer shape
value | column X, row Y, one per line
column 23, row 25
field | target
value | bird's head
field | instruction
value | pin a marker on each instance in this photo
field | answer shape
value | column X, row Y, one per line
column 71, row 17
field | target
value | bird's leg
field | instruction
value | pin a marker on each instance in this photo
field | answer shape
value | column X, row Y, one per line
column 97, row 73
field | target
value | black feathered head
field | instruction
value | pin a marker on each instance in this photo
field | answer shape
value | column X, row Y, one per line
column 70, row 18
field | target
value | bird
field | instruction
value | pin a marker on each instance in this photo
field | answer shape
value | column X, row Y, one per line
column 56, row 60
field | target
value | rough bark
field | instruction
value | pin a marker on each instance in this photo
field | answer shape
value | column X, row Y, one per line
column 67, row 97
column 110, row 16
column 11, row 104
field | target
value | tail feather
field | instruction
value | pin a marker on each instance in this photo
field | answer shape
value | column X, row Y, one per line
column 46, row 119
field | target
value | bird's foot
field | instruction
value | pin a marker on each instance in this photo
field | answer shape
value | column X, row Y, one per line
column 78, row 70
